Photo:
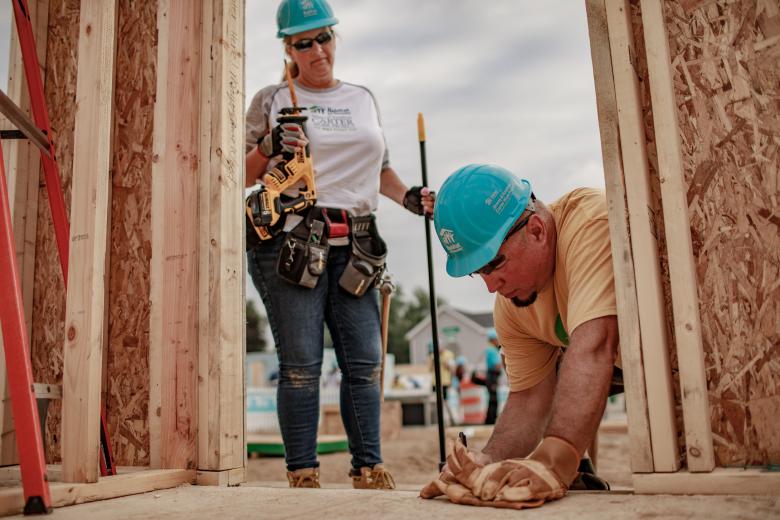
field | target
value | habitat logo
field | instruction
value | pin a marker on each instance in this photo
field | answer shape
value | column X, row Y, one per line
column 307, row 6
column 316, row 109
column 448, row 241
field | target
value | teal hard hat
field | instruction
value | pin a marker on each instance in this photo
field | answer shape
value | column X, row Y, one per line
column 475, row 209
column 297, row 16
column 491, row 333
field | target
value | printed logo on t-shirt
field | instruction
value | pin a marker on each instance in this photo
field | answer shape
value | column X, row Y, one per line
column 330, row 119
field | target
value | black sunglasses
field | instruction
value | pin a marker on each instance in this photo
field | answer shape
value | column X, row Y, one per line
column 305, row 44
column 499, row 259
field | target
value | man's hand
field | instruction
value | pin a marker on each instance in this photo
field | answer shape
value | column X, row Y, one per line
column 420, row 200
column 286, row 137
column 545, row 475
column 516, row 483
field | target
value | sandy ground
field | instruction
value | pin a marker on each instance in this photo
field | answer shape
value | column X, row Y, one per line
column 413, row 459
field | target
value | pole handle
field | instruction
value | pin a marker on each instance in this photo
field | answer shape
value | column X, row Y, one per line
column 420, row 127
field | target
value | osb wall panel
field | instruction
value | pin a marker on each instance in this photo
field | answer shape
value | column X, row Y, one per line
column 655, row 212
column 48, row 316
column 127, row 400
column 726, row 64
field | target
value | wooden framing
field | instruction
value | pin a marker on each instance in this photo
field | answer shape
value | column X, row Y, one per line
column 221, row 292
column 174, row 277
column 622, row 256
column 62, row 494
column 655, row 348
column 194, row 254
column 720, row 481
column 85, row 320
column 696, row 410
column 707, row 38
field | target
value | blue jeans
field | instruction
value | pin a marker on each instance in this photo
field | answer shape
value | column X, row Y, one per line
column 296, row 315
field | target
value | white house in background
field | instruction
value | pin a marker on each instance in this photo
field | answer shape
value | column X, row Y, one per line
column 463, row 333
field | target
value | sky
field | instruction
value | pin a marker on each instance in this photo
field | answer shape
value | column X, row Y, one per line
column 507, row 82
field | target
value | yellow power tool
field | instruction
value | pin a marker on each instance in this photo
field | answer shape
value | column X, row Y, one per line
column 267, row 207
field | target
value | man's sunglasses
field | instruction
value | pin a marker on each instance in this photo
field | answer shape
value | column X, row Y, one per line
column 305, row 44
column 499, row 259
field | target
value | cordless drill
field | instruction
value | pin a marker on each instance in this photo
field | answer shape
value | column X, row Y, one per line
column 267, row 207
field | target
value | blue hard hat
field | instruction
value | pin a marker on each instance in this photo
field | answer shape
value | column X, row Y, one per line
column 297, row 16
column 491, row 333
column 475, row 209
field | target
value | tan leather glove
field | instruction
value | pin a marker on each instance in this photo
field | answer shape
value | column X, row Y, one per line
column 545, row 475
column 458, row 457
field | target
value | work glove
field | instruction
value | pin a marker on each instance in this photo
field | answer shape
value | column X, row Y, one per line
column 461, row 472
column 414, row 200
column 545, row 474
column 515, row 483
column 285, row 137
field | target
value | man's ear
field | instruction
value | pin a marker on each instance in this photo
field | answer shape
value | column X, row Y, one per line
column 536, row 228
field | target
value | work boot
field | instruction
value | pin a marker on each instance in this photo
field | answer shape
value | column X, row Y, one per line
column 372, row 478
column 304, row 478
column 587, row 480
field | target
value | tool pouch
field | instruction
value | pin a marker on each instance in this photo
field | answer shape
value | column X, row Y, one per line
column 367, row 261
column 304, row 253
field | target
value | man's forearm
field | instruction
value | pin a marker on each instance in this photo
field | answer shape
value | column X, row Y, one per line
column 583, row 385
column 522, row 422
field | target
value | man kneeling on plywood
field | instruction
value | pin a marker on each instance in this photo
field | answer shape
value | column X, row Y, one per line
column 552, row 270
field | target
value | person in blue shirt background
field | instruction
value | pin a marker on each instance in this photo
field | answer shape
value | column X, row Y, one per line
column 493, row 365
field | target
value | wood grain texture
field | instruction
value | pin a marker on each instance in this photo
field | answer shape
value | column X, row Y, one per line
column 221, row 288
column 175, row 213
column 48, row 329
column 622, row 257
column 649, row 286
column 127, row 375
column 698, row 436
column 721, row 481
column 726, row 86
column 85, row 321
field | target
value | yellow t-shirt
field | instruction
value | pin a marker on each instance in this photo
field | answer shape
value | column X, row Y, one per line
column 582, row 289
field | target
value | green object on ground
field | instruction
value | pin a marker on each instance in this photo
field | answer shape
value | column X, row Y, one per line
column 276, row 447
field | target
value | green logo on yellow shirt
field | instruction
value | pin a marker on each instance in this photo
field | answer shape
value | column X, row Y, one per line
column 560, row 331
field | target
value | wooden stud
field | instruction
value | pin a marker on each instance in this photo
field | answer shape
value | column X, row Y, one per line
column 652, row 315
column 221, row 294
column 85, row 309
column 173, row 357
column 23, row 173
column 682, row 272
column 12, row 500
column 229, row 477
column 622, row 258
column 721, row 481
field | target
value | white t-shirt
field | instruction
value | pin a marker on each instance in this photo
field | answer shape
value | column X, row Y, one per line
column 347, row 143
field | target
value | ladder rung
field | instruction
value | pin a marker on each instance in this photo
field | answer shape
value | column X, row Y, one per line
column 16, row 116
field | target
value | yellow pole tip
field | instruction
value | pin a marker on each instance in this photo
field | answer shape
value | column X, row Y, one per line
column 420, row 127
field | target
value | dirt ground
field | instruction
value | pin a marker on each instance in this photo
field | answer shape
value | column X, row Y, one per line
column 413, row 459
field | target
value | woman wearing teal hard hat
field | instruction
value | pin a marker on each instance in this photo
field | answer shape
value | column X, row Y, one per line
column 321, row 263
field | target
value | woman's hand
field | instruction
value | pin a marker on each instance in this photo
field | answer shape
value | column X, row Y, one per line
column 420, row 200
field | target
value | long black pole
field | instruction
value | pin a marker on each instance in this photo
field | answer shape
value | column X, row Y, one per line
column 432, row 298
